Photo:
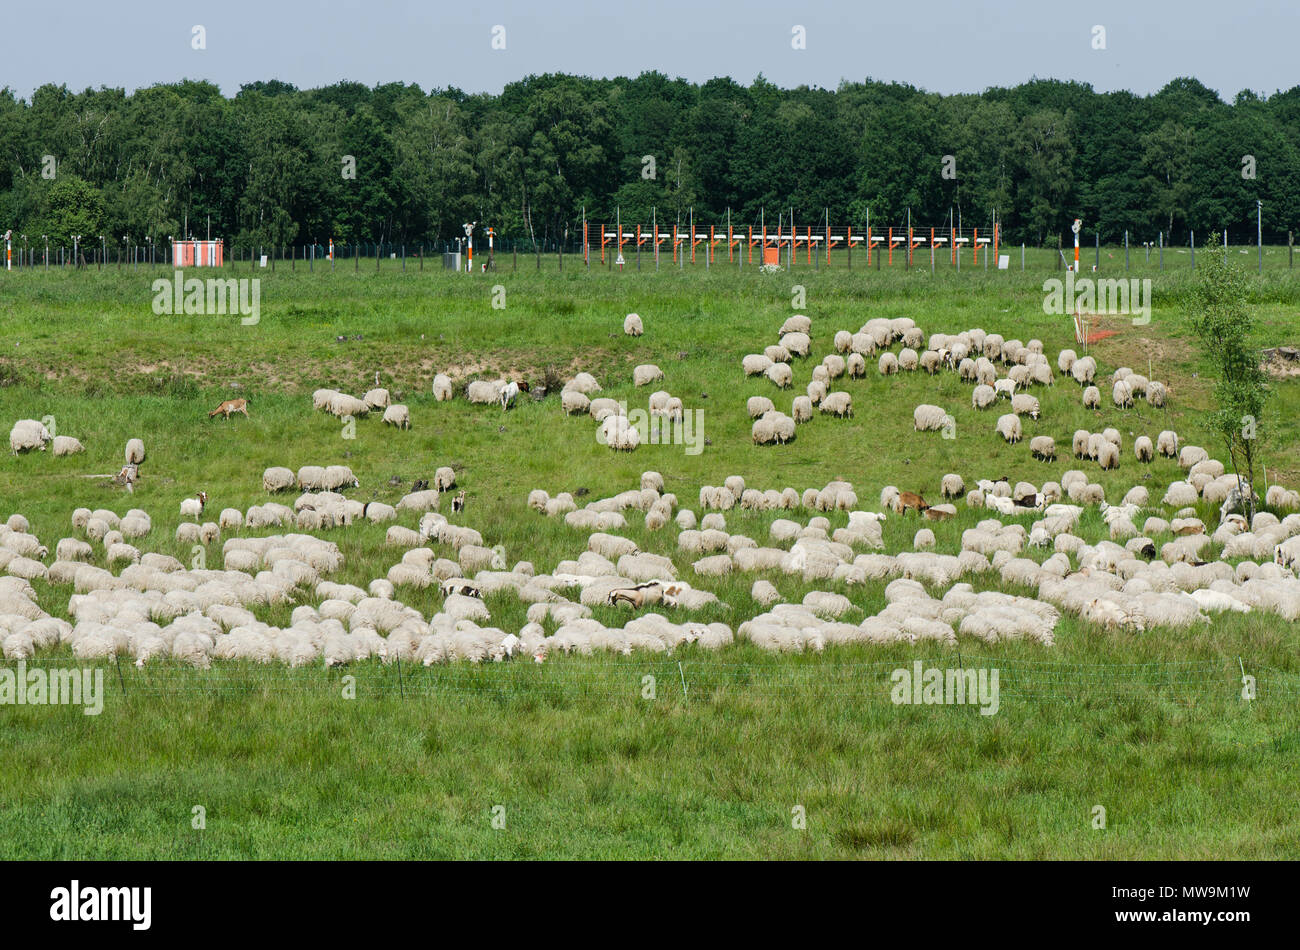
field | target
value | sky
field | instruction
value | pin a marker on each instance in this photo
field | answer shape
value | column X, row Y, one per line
column 939, row 45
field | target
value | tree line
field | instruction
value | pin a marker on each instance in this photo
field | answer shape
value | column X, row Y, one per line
column 277, row 165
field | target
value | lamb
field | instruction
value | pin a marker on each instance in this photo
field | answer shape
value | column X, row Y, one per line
column 277, row 479
column 1022, row 404
column 1143, row 449
column 927, row 418
column 645, row 374
column 442, row 387
column 632, row 325
column 28, row 434
column 888, row 364
column 983, row 396
column 66, row 445
column 1043, row 447
column 838, row 403
column 1009, row 427
column 780, row 374
column 398, row 415
column 1122, row 395
column 509, row 391
column 1167, row 443
column 1005, row 387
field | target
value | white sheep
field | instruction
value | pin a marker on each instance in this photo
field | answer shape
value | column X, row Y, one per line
column 908, row 359
column 796, row 324
column 572, row 401
column 1084, row 370
column 1108, row 454
column 1043, row 447
column 780, row 374
column 277, row 479
column 398, row 415
column 888, row 364
column 952, row 485
column 28, row 434
column 632, row 325
column 66, row 445
column 757, row 405
column 801, row 409
column 1092, row 398
column 983, row 396
column 755, row 364
column 1157, row 393
column 376, row 398
column 1008, row 427
column 1023, row 404
column 1065, row 360
column 798, row 343
column 442, row 387
column 928, row 418
column 837, row 403
column 1143, row 449
column 1122, row 394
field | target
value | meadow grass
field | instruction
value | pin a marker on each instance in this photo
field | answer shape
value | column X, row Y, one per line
column 1152, row 727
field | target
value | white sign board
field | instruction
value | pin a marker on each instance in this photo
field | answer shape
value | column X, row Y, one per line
column 263, row 260
column 1004, row 261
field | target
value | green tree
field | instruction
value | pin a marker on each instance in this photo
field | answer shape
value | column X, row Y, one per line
column 1224, row 326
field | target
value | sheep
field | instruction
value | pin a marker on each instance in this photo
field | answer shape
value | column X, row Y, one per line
column 757, row 405
column 1190, row 455
column 484, row 392
column 838, row 403
column 583, row 383
column 376, row 398
column 798, row 343
column 1143, row 450
column 796, row 324
column 1167, row 443
column 834, row 365
column 952, row 486
column 856, row 365
column 398, row 415
column 983, row 396
column 1008, row 426
column 1043, row 447
column 888, row 364
column 780, row 374
column 755, row 364
column 442, row 388
column 1092, row 398
column 1179, row 494
column 1084, row 370
column 572, row 402
column 618, row 433
column 66, row 445
column 1157, row 394
column 1122, row 394
column 929, row 361
column 1108, row 455
column 278, row 479
column 927, row 418
column 336, row 477
column 1022, row 404
column 1065, row 360
column 801, row 409
column 28, row 434
column 632, row 325
column 908, row 359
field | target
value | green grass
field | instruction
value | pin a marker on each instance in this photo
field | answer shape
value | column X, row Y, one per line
column 584, row 767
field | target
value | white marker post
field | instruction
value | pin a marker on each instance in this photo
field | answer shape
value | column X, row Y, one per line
column 469, row 241
column 9, row 250
column 1076, row 227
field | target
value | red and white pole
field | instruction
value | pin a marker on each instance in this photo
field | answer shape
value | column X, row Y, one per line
column 1078, row 224
column 9, row 250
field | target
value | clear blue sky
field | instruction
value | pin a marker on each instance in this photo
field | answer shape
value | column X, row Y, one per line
column 940, row 45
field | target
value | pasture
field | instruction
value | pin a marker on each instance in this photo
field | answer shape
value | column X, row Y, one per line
column 567, row 758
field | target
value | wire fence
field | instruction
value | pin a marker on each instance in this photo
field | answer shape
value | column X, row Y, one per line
column 692, row 678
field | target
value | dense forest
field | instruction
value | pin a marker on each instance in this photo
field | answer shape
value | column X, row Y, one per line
column 271, row 166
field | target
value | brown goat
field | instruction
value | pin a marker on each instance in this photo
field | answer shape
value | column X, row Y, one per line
column 907, row 500
column 229, row 406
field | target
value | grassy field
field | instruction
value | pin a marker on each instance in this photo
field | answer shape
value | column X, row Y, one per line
column 1150, row 727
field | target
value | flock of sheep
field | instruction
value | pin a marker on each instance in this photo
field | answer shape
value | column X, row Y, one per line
column 147, row 605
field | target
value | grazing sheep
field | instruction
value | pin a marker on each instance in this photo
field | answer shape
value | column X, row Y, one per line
column 484, row 392
column 278, row 479
column 888, row 364
column 1108, row 454
column 838, row 403
column 66, row 445
column 1143, row 449
column 632, row 325
column 1022, row 404
column 1065, row 360
column 1167, row 443
column 929, row 361
column 780, row 374
column 1043, row 447
column 952, row 486
column 1190, row 455
column 1005, row 387
column 757, row 405
column 444, row 479
column 1084, row 370
column 583, row 383
column 796, row 324
column 908, row 359
column 843, row 341
column 376, row 398
column 834, row 365
column 442, row 388
column 1179, row 495
column 398, row 415
column 801, row 409
column 1157, row 393
column 755, row 364
column 1092, row 398
column 857, row 365
column 1122, row 394
column 28, row 434
column 983, row 396
column 927, row 418
column 1008, row 427
column 572, row 401
column 798, row 343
